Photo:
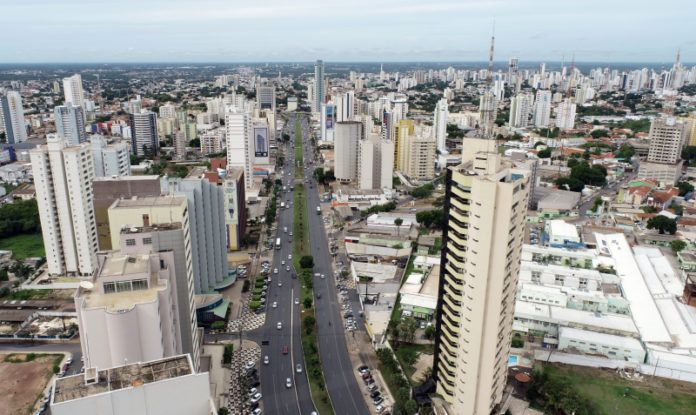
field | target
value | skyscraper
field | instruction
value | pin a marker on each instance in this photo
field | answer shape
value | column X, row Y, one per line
column 347, row 137
column 319, row 93
column 542, row 108
column 401, row 132
column 345, row 106
column 664, row 163
column 488, row 111
column 440, row 125
column 63, row 178
column 110, row 159
column 240, row 142
column 144, row 136
column 13, row 116
column 520, row 109
column 70, row 123
column 565, row 114
column 485, row 204
column 73, row 92
column 418, row 155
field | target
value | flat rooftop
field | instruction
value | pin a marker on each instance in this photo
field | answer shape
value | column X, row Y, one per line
column 129, row 376
column 137, row 202
column 126, row 178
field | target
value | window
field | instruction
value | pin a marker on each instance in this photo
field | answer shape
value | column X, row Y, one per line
column 122, row 286
column 139, row 284
column 559, row 279
column 147, row 241
column 109, row 287
column 536, row 277
column 130, row 242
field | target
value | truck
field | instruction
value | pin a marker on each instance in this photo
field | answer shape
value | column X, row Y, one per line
column 318, row 210
column 277, row 245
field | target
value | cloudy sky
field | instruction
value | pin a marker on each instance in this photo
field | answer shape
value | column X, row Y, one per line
column 349, row 30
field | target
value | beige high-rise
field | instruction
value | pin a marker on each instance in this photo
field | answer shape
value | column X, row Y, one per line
column 483, row 238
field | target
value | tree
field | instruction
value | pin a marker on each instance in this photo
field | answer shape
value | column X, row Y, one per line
column 569, row 183
column 684, row 188
column 423, row 191
column 398, row 222
column 407, row 328
column 411, row 407
column 307, row 302
column 677, row 245
column 600, row 132
column 625, row 151
column 431, row 218
column 663, row 224
column 218, row 325
column 307, row 261
column 227, row 354
column 430, row 332
column 223, row 411
column 545, row 153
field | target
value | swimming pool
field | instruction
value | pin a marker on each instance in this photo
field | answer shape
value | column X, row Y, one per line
column 512, row 361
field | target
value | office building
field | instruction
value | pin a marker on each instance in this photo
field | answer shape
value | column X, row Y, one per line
column 240, row 142
column 169, row 386
column 63, row 179
column 345, row 106
column 418, row 155
column 265, row 97
column 375, row 163
column 144, row 138
column 13, row 117
column 440, row 125
column 109, row 189
column 319, row 91
column 488, row 111
column 130, row 310
column 234, row 207
column 70, row 123
column 520, row 109
column 565, row 114
column 110, row 159
column 485, row 204
column 667, row 138
column 402, row 130
column 542, row 108
column 327, row 121
column 73, row 92
column 347, row 138
column 207, row 228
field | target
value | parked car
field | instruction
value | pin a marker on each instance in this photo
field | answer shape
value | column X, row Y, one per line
column 257, row 397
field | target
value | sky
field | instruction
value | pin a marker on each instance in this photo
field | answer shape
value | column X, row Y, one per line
column 56, row 31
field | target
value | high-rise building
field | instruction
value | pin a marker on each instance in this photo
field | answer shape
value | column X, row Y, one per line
column 110, row 159
column 440, row 125
column 109, row 189
column 345, row 106
column 667, row 137
column 327, row 121
column 488, row 111
column 347, row 137
column 520, row 109
column 565, row 114
column 402, row 131
column 240, row 142
column 212, row 141
column 179, row 140
column 485, row 204
column 13, row 117
column 144, row 136
column 207, row 229
column 234, row 207
column 168, row 111
column 63, row 178
column 542, row 108
column 73, row 92
column 265, row 97
column 169, row 386
column 319, row 92
column 418, row 155
column 70, row 123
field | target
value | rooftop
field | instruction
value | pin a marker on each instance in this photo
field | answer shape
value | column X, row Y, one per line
column 154, row 201
column 95, row 382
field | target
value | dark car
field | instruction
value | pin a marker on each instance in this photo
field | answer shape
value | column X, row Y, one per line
column 374, row 394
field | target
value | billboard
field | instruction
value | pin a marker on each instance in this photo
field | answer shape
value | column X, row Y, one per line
column 261, row 142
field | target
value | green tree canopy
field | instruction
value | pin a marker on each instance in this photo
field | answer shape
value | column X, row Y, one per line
column 663, row 224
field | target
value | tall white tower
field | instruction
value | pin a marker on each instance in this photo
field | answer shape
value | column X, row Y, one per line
column 440, row 125
column 13, row 115
column 72, row 90
column 240, row 142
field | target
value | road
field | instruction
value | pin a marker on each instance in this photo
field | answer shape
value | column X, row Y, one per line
column 277, row 398
column 341, row 384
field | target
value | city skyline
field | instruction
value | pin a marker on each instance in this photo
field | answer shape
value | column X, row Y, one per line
column 337, row 31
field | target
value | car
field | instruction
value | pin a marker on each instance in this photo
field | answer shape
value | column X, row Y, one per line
column 323, row 276
column 287, row 268
column 257, row 397
column 253, row 391
column 282, row 262
column 372, row 387
column 275, row 270
column 290, row 234
column 374, row 394
column 318, row 295
column 363, row 368
column 297, row 301
column 298, row 368
column 288, row 383
column 275, row 304
column 289, row 256
column 280, row 283
column 378, row 401
column 379, row 409
column 285, row 350
column 256, row 411
column 279, row 326
column 266, row 360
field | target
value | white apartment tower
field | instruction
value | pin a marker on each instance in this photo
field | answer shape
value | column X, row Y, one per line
column 417, row 155
column 12, row 114
column 319, row 92
column 110, row 160
column 542, row 108
column 667, row 137
column 345, row 106
column 347, row 137
column 520, row 108
column 240, row 142
column 144, row 137
column 73, row 92
column 565, row 114
column 440, row 125
column 480, row 263
column 63, row 178
column 70, row 123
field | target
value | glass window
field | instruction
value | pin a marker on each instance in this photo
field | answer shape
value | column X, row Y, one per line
column 140, row 284
column 147, row 241
column 109, row 287
column 122, row 286
column 130, row 242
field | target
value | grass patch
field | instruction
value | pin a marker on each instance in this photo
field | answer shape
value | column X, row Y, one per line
column 24, row 246
column 611, row 394
column 299, row 170
column 407, row 354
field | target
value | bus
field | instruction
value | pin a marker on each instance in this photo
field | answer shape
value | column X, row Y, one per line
column 277, row 245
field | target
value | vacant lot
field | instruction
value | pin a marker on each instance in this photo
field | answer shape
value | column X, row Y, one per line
column 24, row 246
column 615, row 395
column 23, row 378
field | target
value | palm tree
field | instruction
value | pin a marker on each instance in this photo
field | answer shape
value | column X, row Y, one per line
column 398, row 222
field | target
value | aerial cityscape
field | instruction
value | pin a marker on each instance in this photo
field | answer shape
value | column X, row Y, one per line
column 206, row 212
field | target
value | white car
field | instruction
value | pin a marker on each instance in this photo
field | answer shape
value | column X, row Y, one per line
column 253, row 391
column 279, row 326
column 275, row 270
column 297, row 300
column 275, row 304
column 298, row 368
column 256, row 397
column 282, row 262
column 280, row 283
column 289, row 256
column 249, row 365
column 288, row 383
column 266, row 360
